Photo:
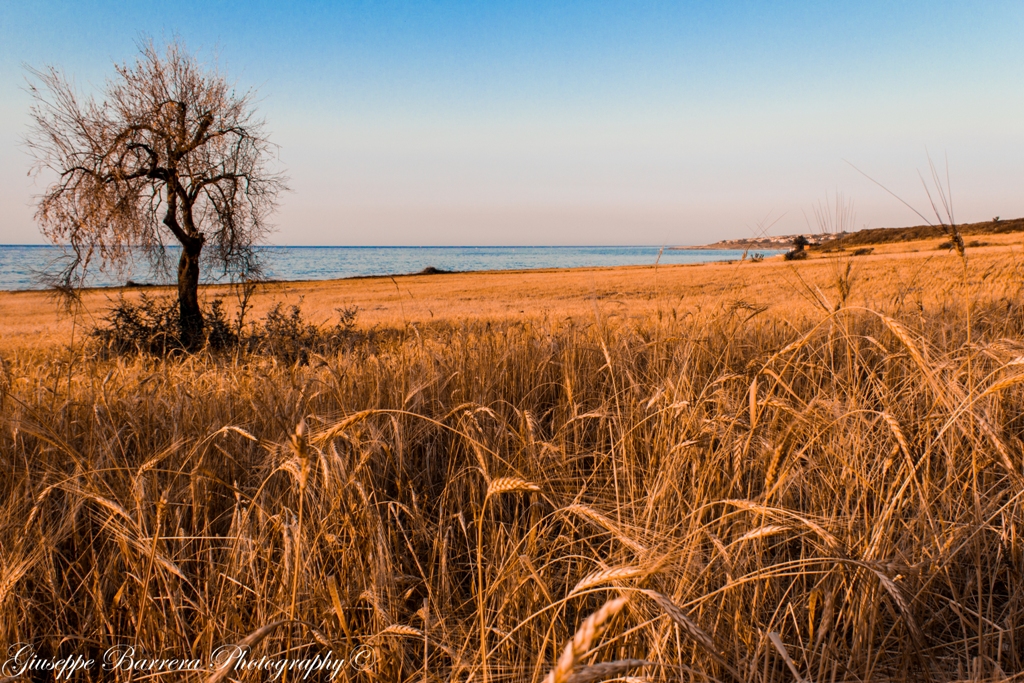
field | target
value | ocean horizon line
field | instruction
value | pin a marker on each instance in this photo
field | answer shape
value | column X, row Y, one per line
column 23, row 267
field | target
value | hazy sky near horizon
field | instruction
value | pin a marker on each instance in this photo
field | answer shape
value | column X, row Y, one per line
column 574, row 122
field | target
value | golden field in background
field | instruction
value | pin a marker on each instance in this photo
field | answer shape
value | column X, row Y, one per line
column 750, row 472
column 909, row 271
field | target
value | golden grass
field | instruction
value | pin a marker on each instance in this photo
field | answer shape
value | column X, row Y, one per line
column 724, row 478
column 900, row 274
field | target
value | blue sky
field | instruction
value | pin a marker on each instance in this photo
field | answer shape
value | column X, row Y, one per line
column 575, row 123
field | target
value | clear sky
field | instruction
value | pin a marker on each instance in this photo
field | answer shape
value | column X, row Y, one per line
column 574, row 122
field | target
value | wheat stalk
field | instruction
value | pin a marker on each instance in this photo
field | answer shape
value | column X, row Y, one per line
column 761, row 532
column 781, row 647
column 399, row 630
column 593, row 515
column 603, row 576
column 676, row 614
column 509, row 485
column 588, row 632
column 605, row 670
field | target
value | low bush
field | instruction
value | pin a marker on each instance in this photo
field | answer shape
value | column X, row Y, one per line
column 286, row 334
column 151, row 326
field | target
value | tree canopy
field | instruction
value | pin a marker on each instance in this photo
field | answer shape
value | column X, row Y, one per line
column 169, row 153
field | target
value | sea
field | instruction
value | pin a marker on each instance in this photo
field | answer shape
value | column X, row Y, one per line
column 24, row 267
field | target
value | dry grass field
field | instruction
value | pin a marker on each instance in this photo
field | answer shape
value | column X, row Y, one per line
column 771, row 471
column 893, row 275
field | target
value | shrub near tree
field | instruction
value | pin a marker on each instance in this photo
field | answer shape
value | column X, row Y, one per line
column 169, row 154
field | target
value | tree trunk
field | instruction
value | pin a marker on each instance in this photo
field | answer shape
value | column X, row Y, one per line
column 191, row 317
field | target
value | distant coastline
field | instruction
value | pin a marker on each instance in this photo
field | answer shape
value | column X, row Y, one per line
column 780, row 242
column 842, row 240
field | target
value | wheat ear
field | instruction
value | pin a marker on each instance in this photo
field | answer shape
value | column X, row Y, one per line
column 587, row 633
column 509, row 485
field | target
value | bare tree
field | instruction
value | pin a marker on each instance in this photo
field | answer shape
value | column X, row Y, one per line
column 171, row 151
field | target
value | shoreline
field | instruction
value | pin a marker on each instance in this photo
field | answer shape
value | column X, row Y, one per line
column 31, row 319
column 386, row 276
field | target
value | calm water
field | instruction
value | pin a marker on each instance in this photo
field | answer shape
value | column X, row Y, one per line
column 20, row 265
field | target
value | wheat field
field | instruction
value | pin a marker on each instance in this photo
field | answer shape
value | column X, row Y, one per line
column 819, row 479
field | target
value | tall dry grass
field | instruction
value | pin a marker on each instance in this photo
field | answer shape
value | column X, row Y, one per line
column 702, row 495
